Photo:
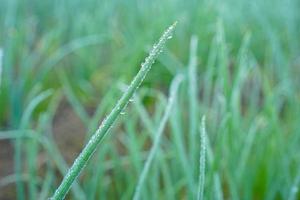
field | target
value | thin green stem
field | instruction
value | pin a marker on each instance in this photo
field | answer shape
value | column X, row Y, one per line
column 155, row 147
column 107, row 123
column 193, row 106
column 202, row 160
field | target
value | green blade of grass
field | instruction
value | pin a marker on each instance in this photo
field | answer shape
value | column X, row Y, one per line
column 47, row 182
column 19, row 145
column 202, row 160
column 192, row 97
column 179, row 142
column 149, row 126
column 173, row 91
column 218, row 193
column 91, row 146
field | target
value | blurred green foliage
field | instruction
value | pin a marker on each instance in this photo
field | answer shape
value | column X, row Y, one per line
column 247, row 84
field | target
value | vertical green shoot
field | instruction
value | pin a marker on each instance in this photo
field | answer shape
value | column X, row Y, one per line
column 202, row 160
column 192, row 91
column 155, row 147
column 107, row 123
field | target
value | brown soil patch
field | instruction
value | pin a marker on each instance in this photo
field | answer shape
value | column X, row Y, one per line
column 7, row 192
column 69, row 132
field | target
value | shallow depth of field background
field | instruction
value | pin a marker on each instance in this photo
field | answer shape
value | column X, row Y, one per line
column 64, row 64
